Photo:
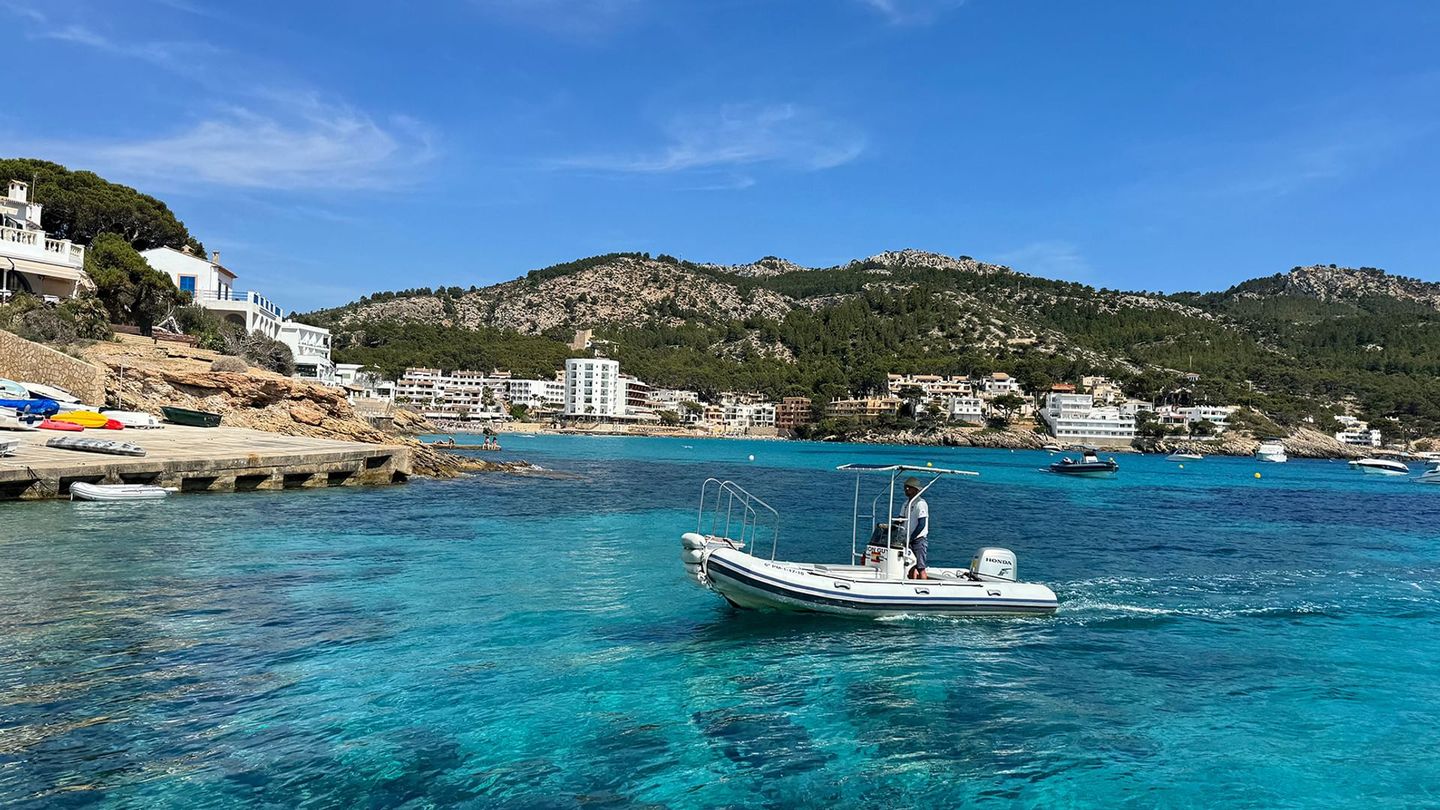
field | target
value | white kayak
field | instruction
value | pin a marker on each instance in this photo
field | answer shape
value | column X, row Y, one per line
column 138, row 420
column 117, row 492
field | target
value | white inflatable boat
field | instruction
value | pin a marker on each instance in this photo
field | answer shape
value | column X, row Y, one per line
column 873, row 583
column 117, row 492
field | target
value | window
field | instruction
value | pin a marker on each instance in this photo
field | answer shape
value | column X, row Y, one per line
column 187, row 285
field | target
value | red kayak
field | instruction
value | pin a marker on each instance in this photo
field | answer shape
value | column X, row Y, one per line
column 113, row 424
column 51, row 424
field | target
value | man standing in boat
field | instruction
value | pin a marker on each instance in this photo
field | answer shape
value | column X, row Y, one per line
column 915, row 518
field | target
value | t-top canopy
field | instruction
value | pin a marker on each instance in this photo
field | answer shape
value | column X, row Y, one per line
column 890, row 468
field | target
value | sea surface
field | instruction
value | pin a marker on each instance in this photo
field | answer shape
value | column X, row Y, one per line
column 1223, row 640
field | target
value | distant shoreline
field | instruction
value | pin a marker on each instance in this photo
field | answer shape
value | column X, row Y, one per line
column 1303, row 444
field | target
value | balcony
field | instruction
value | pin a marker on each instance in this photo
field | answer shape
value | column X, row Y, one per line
column 248, row 297
column 30, row 244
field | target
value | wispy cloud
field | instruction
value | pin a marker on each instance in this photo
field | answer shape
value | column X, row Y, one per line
column 173, row 55
column 299, row 142
column 781, row 135
column 1049, row 258
column 911, row 12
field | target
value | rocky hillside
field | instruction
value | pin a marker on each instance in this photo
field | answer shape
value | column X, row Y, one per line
column 1331, row 284
column 1301, row 346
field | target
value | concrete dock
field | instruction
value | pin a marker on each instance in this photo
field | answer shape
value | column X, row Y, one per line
column 223, row 459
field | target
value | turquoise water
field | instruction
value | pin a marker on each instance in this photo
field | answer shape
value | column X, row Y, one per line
column 507, row 642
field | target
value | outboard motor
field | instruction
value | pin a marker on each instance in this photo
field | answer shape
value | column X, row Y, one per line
column 993, row 565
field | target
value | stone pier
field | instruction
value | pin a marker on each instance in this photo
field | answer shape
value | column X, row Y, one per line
column 222, row 459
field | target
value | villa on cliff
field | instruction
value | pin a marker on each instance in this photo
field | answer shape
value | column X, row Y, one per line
column 30, row 261
column 211, row 285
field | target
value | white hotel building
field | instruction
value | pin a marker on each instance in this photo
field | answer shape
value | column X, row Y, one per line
column 593, row 389
column 30, row 261
column 1074, row 417
column 310, row 346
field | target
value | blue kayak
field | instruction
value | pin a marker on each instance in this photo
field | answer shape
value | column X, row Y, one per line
column 38, row 407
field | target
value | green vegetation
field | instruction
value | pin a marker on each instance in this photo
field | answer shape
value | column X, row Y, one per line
column 391, row 347
column 132, row 291
column 81, row 205
column 73, row 321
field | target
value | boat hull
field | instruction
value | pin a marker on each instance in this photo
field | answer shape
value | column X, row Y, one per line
column 751, row 583
column 185, row 416
column 1084, row 470
column 1368, row 470
column 116, row 492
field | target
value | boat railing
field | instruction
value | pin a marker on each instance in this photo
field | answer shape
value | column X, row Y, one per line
column 729, row 508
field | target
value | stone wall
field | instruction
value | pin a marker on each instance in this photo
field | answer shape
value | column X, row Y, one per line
column 21, row 359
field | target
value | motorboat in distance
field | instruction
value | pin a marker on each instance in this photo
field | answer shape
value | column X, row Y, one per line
column 721, row 556
column 1184, row 457
column 1089, row 465
column 1380, row 466
column 1431, row 475
column 1271, row 450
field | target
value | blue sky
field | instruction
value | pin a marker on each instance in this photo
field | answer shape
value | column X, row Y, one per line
column 333, row 149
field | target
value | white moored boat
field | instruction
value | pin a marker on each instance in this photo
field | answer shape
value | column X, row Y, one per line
column 721, row 557
column 1431, row 475
column 1379, row 466
column 1272, row 450
column 1184, row 457
column 117, row 492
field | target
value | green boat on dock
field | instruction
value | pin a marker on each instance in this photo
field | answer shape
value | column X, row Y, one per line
column 185, row 416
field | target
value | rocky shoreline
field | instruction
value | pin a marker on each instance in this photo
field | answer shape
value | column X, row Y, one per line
column 1303, row 443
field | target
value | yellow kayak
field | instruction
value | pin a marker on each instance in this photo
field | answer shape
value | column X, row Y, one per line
column 89, row 419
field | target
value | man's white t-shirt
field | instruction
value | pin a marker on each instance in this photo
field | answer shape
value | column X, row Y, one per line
column 916, row 517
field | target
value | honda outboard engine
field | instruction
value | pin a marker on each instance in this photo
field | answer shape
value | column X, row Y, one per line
column 993, row 565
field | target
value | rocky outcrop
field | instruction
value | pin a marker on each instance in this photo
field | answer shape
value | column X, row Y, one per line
column 1009, row 439
column 1342, row 284
column 143, row 377
column 1302, row 443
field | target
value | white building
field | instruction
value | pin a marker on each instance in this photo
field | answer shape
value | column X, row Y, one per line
column 593, row 389
column 310, row 345
column 1074, row 417
column 1217, row 415
column 459, row 395
column 671, row 399
column 212, row 286
column 363, row 384
column 536, row 395
column 931, row 385
column 1357, row 432
column 30, row 261
column 966, row 409
column 741, row 416
column 998, row 384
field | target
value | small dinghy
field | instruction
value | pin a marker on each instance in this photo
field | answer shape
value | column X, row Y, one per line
column 1089, row 465
column 117, row 492
column 1379, row 466
column 1184, row 457
column 8, row 447
column 11, row 420
column 104, row 446
column 136, row 420
column 186, row 416
column 9, row 389
column 720, row 556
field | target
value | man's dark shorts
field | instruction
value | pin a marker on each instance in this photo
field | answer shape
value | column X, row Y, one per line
column 922, row 552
